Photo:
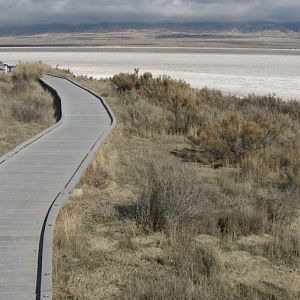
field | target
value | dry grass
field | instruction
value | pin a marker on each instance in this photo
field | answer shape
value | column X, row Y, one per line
column 26, row 108
column 157, row 222
column 169, row 216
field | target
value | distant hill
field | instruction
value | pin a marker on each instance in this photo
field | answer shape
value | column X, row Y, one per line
column 110, row 27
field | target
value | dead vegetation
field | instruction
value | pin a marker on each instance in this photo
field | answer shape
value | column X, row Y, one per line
column 26, row 107
column 195, row 196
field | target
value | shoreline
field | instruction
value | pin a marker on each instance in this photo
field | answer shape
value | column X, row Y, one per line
column 209, row 66
column 153, row 49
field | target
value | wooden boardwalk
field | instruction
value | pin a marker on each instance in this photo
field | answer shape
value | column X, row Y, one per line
column 35, row 180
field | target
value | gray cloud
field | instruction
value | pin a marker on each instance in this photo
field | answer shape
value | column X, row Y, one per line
column 78, row 11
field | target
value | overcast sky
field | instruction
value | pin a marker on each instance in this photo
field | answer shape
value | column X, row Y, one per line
column 94, row 11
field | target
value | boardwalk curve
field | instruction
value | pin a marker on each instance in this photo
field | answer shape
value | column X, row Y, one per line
column 36, row 178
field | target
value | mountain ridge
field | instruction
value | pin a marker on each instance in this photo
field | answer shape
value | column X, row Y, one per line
column 13, row 30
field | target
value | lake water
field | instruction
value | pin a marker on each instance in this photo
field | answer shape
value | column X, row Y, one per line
column 234, row 71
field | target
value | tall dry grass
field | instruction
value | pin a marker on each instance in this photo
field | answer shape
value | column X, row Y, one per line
column 26, row 107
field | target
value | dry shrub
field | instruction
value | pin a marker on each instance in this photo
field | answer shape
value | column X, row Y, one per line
column 175, row 96
column 190, row 108
column 256, row 133
column 235, row 137
column 175, row 195
column 63, row 72
column 125, row 82
column 237, row 215
column 170, row 194
column 268, row 105
column 145, row 119
column 186, row 105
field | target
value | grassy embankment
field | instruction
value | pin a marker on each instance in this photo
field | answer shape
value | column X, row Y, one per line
column 26, row 108
column 195, row 196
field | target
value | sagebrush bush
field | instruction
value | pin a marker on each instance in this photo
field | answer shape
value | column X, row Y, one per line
column 125, row 82
column 233, row 138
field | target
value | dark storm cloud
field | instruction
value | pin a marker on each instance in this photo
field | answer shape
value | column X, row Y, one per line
column 78, row 11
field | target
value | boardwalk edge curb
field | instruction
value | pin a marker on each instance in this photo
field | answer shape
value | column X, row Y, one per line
column 44, row 288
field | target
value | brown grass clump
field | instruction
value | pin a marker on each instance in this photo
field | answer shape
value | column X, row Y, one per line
column 25, row 72
column 69, row 230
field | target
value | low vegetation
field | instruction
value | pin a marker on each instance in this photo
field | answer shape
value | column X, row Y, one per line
column 195, row 196
column 26, row 107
